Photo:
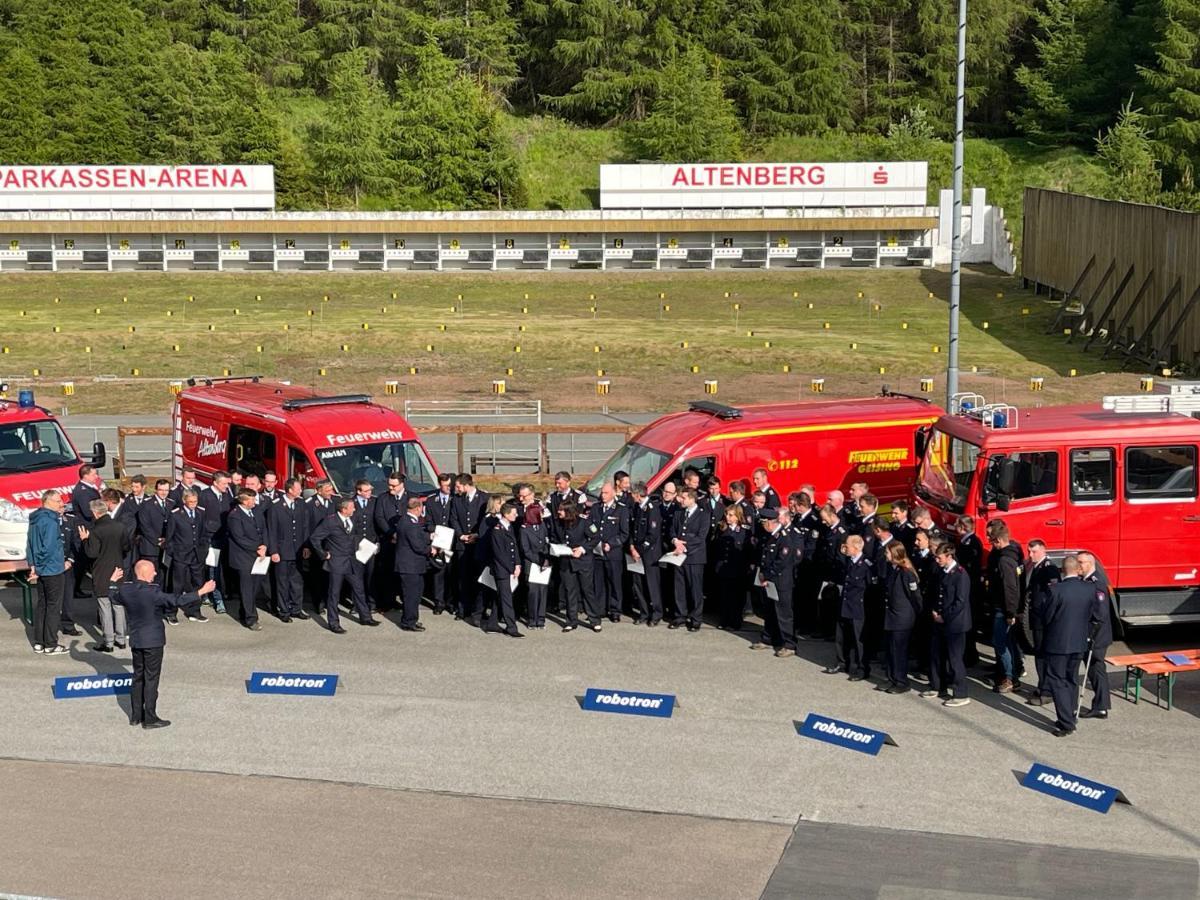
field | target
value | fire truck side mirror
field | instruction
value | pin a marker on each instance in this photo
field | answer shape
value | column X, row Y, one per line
column 998, row 488
column 921, row 441
column 99, row 456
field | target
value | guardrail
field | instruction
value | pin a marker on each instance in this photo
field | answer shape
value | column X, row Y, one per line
column 495, row 456
column 473, row 409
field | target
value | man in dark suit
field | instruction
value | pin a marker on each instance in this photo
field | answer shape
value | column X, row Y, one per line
column 505, row 562
column 187, row 546
column 856, row 573
column 390, row 508
column 216, row 503
column 287, row 533
column 334, row 540
column 466, row 519
column 106, row 544
column 690, row 537
column 152, row 525
column 145, row 606
column 320, row 506
column 413, row 548
column 951, row 629
column 85, row 491
column 438, row 507
column 969, row 556
column 1067, row 621
column 1102, row 636
column 187, row 482
column 646, row 546
column 609, row 573
column 1036, row 579
column 247, row 543
column 364, row 530
column 123, row 509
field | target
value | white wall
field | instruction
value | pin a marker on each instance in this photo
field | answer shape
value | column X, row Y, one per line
column 986, row 238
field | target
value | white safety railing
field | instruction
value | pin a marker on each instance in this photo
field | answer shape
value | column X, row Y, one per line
column 474, row 409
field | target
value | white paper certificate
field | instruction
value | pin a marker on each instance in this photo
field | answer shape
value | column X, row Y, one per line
column 214, row 557
column 538, row 575
column 634, row 565
column 672, row 559
column 261, row 565
column 365, row 551
column 560, row 550
column 443, row 537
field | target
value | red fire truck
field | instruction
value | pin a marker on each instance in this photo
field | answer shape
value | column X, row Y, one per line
column 35, row 456
column 1116, row 478
column 254, row 425
column 827, row 443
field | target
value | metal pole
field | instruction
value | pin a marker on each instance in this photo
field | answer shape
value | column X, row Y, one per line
column 956, row 246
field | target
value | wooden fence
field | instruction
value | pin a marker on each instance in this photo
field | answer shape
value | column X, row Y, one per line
column 1129, row 274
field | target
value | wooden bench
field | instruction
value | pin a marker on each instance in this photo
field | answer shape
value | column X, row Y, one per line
column 1138, row 665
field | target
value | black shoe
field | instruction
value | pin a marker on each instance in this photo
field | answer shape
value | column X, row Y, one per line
column 898, row 689
column 675, row 625
column 103, row 648
column 171, row 620
column 156, row 723
column 302, row 615
column 514, row 633
column 120, row 645
column 832, row 670
column 858, row 677
column 369, row 622
column 72, row 631
column 198, row 617
column 437, row 610
column 285, row 619
column 693, row 626
column 1038, row 700
column 654, row 623
column 337, row 629
column 1094, row 714
column 614, row 619
column 416, row 626
column 1063, row 732
column 135, row 721
column 567, row 628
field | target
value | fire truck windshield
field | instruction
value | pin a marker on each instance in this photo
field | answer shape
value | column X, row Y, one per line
column 350, row 463
column 30, row 446
column 642, row 463
column 947, row 470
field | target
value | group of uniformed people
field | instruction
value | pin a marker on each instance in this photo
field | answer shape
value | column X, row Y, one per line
column 896, row 593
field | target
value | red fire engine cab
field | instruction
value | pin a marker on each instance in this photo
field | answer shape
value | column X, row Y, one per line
column 1116, row 478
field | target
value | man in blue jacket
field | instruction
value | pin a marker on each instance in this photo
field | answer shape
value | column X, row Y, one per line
column 1067, row 624
column 146, row 605
column 951, row 627
column 46, row 555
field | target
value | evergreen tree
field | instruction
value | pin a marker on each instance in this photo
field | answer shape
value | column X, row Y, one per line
column 272, row 34
column 690, row 119
column 390, row 31
column 481, row 36
column 27, row 133
column 1174, row 85
column 1128, row 152
column 347, row 145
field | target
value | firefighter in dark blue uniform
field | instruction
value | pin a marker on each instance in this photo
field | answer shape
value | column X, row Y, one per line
column 612, row 519
column 852, row 612
column 1067, row 623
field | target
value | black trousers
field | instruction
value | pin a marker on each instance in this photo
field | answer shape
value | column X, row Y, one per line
column 778, row 628
column 689, row 593
column 897, row 659
column 502, row 608
column 440, row 582
column 609, row 575
column 1062, row 677
column 64, row 614
column 185, row 577
column 289, row 587
column 535, row 601
column 354, row 579
column 469, row 587
column 848, row 646
column 411, row 588
column 48, row 613
column 576, row 585
column 647, row 592
column 946, row 664
column 147, row 667
column 248, row 586
column 1097, row 679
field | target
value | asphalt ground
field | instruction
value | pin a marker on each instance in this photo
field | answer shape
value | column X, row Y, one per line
column 464, row 714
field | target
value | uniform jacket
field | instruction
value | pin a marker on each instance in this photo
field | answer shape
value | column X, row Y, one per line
column 152, row 526
column 82, row 496
column 1101, row 617
column 1067, row 619
column 779, row 561
column 504, row 557
column 319, row 511
column 287, row 529
column 246, row 534
column 554, row 502
column 331, row 537
column 438, row 512
column 466, row 517
column 646, row 530
column 772, row 497
column 413, row 541
column 614, row 530
column 903, row 599
column 1036, row 580
column 693, row 531
column 145, row 605
column 583, row 533
column 187, row 537
column 216, row 508
column 535, row 544
column 364, row 520
column 854, row 588
column 730, row 552
column 954, row 601
column 389, row 510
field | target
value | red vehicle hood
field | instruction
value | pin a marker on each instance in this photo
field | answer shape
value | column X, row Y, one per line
column 25, row 488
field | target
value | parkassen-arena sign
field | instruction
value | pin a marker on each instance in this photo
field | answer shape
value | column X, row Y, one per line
column 137, row 187
column 735, row 185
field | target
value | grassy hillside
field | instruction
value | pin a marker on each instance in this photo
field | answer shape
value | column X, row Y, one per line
column 260, row 323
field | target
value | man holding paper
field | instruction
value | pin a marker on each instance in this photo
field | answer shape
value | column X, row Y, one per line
column 645, row 548
column 287, row 533
column 690, row 538
column 335, row 541
column 414, row 546
column 613, row 521
column 248, row 553
column 438, row 507
column 506, row 569
column 776, row 575
column 535, row 559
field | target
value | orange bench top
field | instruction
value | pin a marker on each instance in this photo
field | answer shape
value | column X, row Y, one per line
column 1143, row 660
column 1163, row 667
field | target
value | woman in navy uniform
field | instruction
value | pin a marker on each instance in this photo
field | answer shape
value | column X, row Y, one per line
column 535, row 550
column 903, row 603
column 731, row 566
column 581, row 536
